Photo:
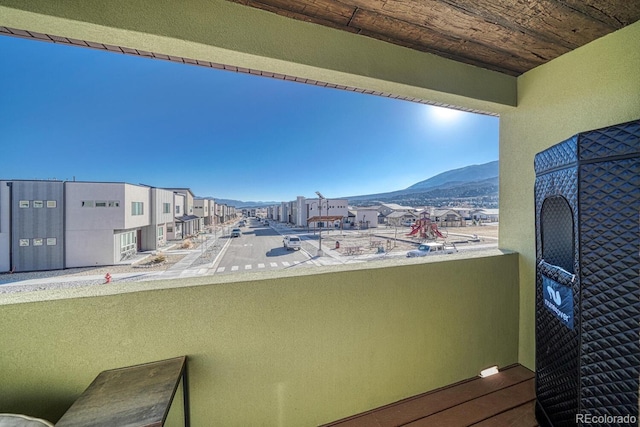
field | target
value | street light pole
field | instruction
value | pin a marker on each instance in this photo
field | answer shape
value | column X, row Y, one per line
column 320, row 198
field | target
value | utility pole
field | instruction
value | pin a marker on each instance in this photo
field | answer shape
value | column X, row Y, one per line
column 321, row 198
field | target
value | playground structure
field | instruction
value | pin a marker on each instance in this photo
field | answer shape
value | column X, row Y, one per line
column 425, row 229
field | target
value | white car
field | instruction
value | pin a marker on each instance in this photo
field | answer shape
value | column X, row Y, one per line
column 292, row 242
column 430, row 248
column 423, row 250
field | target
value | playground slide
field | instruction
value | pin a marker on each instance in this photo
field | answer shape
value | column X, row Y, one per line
column 414, row 229
column 436, row 231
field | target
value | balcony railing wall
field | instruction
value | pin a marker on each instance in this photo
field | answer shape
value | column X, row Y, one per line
column 290, row 351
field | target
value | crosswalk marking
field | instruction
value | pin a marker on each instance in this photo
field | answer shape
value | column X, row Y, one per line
column 259, row 265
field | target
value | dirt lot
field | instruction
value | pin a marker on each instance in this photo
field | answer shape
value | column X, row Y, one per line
column 391, row 239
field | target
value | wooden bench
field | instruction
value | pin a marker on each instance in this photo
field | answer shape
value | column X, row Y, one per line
column 353, row 250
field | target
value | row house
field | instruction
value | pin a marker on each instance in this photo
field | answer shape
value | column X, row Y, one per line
column 225, row 213
column 204, row 207
column 49, row 225
column 186, row 222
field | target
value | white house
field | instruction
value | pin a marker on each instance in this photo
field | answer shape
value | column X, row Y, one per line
column 204, row 207
column 366, row 218
column 161, row 218
column 105, row 222
column 328, row 212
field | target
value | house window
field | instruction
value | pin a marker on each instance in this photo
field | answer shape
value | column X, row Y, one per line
column 38, row 204
column 38, row 242
column 24, row 242
column 24, row 203
column 177, row 209
column 137, row 208
column 52, row 203
column 114, row 204
column 128, row 242
column 87, row 203
column 169, row 228
column 101, row 204
column 160, row 231
column 166, row 208
column 52, row 241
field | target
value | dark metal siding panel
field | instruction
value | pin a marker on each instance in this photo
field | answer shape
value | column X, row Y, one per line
column 33, row 223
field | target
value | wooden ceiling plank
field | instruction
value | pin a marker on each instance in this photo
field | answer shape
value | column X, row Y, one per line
column 445, row 19
column 391, row 30
column 616, row 14
column 546, row 19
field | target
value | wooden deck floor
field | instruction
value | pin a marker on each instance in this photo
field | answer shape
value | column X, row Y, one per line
column 504, row 399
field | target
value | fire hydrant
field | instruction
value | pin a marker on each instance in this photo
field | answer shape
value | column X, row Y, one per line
column 107, row 278
column 337, row 245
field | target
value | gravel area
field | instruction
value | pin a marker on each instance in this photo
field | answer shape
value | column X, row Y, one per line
column 73, row 277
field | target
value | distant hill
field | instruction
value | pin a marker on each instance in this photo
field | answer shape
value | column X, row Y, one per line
column 474, row 185
column 473, row 173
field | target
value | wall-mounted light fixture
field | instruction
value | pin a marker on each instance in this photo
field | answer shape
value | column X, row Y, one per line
column 488, row 372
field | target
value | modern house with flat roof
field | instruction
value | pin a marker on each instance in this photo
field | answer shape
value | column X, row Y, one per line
column 302, row 350
column 204, row 207
column 32, row 232
column 105, row 222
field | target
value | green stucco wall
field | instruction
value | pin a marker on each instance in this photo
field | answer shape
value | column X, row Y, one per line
column 595, row 86
column 293, row 351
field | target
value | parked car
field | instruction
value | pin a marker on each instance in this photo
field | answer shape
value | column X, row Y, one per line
column 236, row 232
column 291, row 242
column 423, row 250
column 429, row 248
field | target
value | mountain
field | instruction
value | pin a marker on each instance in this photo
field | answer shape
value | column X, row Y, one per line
column 475, row 185
column 473, row 173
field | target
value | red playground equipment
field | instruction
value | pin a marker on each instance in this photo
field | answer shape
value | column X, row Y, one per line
column 425, row 229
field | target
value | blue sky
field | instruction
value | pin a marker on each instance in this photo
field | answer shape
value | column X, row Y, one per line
column 70, row 112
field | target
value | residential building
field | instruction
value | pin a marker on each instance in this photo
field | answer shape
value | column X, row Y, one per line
column 330, row 213
column 447, row 217
column 32, row 234
column 204, row 207
column 162, row 219
column 186, row 222
column 398, row 218
column 105, row 222
column 366, row 218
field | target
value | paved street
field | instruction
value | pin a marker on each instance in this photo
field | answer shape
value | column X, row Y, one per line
column 259, row 248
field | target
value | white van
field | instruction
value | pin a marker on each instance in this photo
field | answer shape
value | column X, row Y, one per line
column 291, row 242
